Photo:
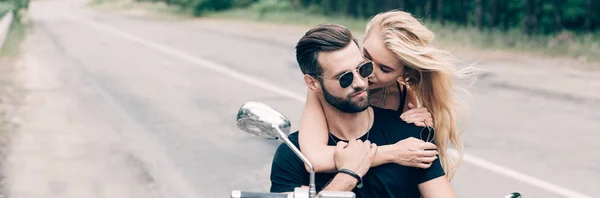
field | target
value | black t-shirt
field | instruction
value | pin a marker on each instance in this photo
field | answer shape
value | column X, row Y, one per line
column 387, row 180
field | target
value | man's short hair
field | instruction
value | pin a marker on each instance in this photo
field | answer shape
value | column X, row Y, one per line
column 323, row 38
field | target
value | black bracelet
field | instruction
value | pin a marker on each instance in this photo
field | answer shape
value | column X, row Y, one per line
column 353, row 174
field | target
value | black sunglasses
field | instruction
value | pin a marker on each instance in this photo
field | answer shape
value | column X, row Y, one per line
column 364, row 70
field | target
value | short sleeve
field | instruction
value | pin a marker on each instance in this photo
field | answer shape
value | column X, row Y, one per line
column 434, row 171
column 405, row 130
column 287, row 171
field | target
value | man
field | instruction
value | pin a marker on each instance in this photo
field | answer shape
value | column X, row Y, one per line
column 327, row 55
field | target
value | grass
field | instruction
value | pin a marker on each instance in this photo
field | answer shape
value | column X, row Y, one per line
column 148, row 9
column 584, row 48
column 12, row 42
column 9, row 52
column 289, row 17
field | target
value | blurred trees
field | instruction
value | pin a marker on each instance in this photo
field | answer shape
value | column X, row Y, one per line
column 530, row 16
column 14, row 5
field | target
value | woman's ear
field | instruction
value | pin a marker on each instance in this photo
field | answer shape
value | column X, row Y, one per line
column 312, row 83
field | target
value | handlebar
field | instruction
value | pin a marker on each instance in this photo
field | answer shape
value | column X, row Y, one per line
column 244, row 194
column 298, row 193
column 323, row 194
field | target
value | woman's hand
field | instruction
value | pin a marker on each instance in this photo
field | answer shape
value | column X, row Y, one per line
column 414, row 152
column 419, row 116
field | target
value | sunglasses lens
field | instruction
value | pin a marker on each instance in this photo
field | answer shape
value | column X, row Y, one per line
column 366, row 69
column 346, row 79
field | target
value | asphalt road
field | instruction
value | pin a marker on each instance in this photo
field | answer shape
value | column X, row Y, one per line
column 124, row 106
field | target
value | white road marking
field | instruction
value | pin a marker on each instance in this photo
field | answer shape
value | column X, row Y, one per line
column 300, row 98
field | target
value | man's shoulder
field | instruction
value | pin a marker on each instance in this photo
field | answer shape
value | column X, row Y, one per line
column 293, row 137
column 284, row 151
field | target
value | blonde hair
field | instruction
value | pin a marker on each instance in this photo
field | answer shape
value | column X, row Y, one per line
column 430, row 72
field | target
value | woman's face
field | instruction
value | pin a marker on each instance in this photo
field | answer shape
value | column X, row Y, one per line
column 387, row 68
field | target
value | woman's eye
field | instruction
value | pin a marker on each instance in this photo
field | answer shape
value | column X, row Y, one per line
column 385, row 70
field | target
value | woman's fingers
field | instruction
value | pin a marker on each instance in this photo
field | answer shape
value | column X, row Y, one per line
column 421, row 124
column 429, row 146
column 427, row 160
column 413, row 111
column 421, row 117
column 428, row 153
column 429, row 122
column 423, row 166
column 413, row 115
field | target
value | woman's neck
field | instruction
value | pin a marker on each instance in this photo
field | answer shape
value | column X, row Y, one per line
column 386, row 97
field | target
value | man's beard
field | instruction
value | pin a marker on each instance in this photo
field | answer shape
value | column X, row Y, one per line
column 345, row 104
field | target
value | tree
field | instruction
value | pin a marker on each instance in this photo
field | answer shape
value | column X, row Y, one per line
column 493, row 14
column 363, row 4
column 440, row 11
column 428, row 9
column 329, row 6
column 557, row 12
column 464, row 18
column 532, row 16
column 399, row 4
column 478, row 14
column 351, row 8
column 588, row 16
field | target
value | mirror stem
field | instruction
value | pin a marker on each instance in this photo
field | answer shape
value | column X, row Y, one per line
column 312, row 188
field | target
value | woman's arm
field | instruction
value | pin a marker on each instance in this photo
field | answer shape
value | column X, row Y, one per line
column 313, row 139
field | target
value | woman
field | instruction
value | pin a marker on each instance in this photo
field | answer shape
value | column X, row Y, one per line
column 399, row 47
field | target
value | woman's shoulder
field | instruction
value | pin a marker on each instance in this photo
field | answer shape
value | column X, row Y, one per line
column 385, row 113
column 390, row 121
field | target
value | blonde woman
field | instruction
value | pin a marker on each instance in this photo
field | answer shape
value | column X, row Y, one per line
column 404, row 64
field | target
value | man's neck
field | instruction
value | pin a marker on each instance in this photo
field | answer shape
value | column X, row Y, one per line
column 347, row 126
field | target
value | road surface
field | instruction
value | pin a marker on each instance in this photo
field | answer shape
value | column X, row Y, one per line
column 122, row 106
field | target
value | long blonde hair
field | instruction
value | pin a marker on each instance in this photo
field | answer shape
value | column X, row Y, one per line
column 430, row 72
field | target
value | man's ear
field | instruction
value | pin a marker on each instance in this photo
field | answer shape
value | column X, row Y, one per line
column 312, row 83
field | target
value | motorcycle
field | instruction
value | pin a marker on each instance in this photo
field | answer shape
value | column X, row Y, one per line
column 261, row 120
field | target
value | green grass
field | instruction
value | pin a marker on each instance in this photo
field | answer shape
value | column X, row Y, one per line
column 157, row 9
column 583, row 47
column 290, row 17
column 9, row 52
column 566, row 44
column 12, row 42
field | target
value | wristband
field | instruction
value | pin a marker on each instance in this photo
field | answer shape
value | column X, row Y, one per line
column 353, row 174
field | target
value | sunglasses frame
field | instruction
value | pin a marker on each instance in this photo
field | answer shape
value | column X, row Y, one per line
column 430, row 134
column 357, row 69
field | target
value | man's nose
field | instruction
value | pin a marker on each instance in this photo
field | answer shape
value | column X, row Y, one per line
column 359, row 81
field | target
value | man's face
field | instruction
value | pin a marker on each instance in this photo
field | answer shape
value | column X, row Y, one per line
column 353, row 98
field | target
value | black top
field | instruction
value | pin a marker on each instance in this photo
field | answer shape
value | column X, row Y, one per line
column 387, row 180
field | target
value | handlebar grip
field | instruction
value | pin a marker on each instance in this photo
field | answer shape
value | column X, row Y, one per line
column 243, row 194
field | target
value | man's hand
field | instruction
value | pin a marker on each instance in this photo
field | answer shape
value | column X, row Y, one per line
column 355, row 155
column 414, row 152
